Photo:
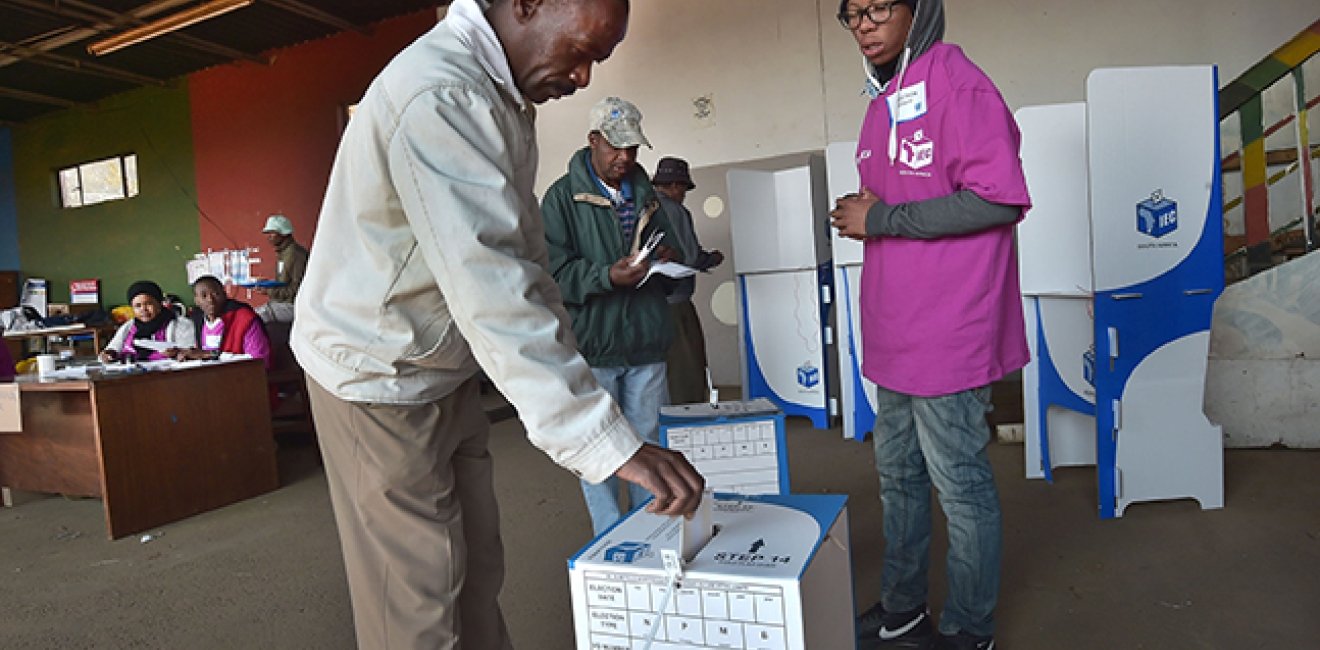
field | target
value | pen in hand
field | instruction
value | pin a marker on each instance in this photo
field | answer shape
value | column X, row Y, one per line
column 645, row 251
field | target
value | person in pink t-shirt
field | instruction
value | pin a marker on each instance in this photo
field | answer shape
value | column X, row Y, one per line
column 941, row 317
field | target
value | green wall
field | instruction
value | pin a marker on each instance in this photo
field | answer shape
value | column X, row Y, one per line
column 150, row 236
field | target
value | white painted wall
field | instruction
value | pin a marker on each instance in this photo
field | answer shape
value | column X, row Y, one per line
column 785, row 78
column 1263, row 381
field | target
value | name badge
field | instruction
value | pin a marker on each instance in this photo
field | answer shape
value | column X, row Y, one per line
column 908, row 103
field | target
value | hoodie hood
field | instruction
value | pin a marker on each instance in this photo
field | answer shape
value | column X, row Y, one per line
column 927, row 28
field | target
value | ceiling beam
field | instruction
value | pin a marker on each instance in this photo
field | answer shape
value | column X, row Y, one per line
column 36, row 98
column 72, row 64
column 103, row 20
column 308, row 11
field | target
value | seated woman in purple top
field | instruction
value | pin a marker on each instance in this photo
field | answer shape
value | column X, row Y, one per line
column 151, row 322
column 225, row 325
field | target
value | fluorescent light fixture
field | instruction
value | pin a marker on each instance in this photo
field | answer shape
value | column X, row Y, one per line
column 173, row 22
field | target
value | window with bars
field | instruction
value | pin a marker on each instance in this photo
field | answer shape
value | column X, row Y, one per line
column 108, row 179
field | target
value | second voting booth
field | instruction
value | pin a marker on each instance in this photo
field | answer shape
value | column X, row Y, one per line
column 1121, row 262
column 779, row 223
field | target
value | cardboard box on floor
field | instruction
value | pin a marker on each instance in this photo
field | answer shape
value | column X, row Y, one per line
column 777, row 575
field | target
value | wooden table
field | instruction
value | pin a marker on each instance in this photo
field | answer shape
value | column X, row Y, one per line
column 155, row 447
column 45, row 333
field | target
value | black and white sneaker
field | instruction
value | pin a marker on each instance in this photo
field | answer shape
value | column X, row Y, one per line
column 877, row 629
column 964, row 641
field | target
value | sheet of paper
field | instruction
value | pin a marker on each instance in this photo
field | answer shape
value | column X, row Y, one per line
column 69, row 373
column 668, row 269
column 698, row 530
column 159, row 346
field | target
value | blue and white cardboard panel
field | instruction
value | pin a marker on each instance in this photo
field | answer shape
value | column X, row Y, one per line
column 1054, row 241
column 776, row 575
column 1157, row 234
column 781, row 247
column 841, row 178
column 857, row 399
column 739, row 447
column 785, row 340
column 1059, row 398
column 857, row 394
column 1054, row 261
column 779, row 220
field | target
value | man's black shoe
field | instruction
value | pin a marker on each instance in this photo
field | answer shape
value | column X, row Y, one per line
column 964, row 641
column 878, row 629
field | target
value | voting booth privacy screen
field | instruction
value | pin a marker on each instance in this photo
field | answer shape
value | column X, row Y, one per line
column 781, row 258
column 857, row 397
column 1127, row 395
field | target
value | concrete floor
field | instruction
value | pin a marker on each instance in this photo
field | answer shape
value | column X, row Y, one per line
column 266, row 573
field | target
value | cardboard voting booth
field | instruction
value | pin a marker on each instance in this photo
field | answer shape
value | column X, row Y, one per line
column 1122, row 260
column 777, row 575
column 781, row 257
column 857, row 395
column 738, row 446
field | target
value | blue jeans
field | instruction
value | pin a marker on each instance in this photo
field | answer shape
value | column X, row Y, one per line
column 940, row 441
column 640, row 392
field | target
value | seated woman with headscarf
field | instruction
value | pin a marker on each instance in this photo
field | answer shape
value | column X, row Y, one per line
column 225, row 325
column 152, row 321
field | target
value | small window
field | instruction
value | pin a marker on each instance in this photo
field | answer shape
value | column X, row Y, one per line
column 98, row 181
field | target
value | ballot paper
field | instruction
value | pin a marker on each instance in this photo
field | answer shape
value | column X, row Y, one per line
column 149, row 344
column 668, row 269
column 698, row 530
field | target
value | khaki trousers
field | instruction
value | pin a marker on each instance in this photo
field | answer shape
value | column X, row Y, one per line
column 414, row 501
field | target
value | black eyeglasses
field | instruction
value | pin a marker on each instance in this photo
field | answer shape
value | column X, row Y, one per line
column 878, row 13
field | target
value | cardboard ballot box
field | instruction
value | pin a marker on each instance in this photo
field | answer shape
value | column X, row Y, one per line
column 738, row 446
column 777, row 575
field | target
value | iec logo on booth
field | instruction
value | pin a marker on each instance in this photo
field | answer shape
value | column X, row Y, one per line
column 808, row 375
column 1157, row 216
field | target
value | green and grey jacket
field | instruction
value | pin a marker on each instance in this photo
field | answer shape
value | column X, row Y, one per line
column 614, row 326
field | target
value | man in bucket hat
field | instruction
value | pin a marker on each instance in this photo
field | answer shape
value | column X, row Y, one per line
column 598, row 218
column 686, row 362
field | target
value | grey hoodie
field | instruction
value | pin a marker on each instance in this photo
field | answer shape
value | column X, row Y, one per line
column 959, row 213
column 927, row 27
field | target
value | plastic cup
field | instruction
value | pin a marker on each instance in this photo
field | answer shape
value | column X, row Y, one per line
column 46, row 364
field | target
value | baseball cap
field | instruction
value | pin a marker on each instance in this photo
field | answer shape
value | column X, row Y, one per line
column 278, row 223
column 619, row 121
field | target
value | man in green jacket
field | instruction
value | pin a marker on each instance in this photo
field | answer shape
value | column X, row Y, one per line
column 599, row 218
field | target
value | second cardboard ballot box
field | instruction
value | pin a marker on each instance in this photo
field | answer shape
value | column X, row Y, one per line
column 738, row 446
column 777, row 575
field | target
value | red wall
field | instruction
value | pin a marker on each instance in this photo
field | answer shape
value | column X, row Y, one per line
column 265, row 135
